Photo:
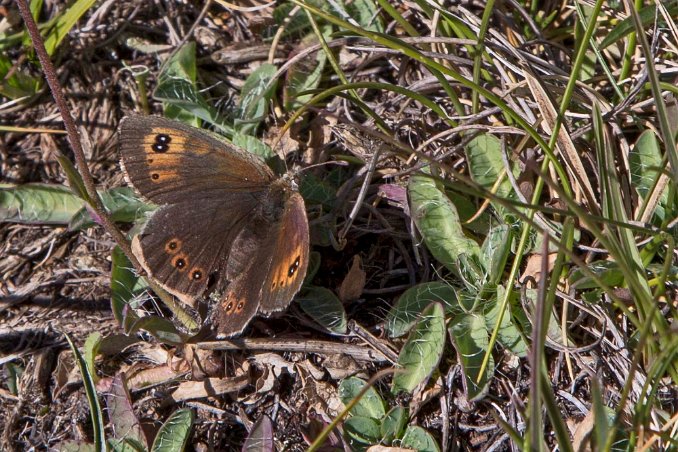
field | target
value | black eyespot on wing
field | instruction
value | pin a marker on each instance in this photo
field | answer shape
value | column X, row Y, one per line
column 294, row 267
column 162, row 141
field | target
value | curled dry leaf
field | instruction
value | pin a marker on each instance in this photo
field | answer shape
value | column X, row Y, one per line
column 209, row 387
column 533, row 267
column 354, row 282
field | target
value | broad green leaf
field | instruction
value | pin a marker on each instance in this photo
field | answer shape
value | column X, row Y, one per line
column 361, row 432
column 122, row 204
column 178, row 91
column 438, row 222
column 253, row 145
column 174, row 433
column 486, row 166
column 393, row 424
column 470, row 339
column 125, row 284
column 422, row 351
column 255, row 97
column 65, row 23
column 414, row 300
column 370, row 405
column 607, row 271
column 161, row 328
column 38, row 204
column 645, row 162
column 495, row 251
column 325, row 308
column 416, row 438
column 508, row 335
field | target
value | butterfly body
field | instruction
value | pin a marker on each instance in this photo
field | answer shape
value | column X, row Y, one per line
column 227, row 229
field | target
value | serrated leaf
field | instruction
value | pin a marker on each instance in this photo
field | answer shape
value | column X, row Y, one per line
column 323, row 306
column 416, row 438
column 422, row 351
column 438, row 222
column 38, row 204
column 174, row 433
column 470, row 339
column 253, row 145
column 414, row 300
column 370, row 405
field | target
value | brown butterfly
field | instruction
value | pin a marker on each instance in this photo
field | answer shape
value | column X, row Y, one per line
column 226, row 229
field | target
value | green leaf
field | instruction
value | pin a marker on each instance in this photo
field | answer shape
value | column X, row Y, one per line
column 361, row 431
column 16, row 84
column 122, row 204
column 306, row 74
column 253, row 145
column 470, row 339
column 607, row 271
column 255, row 97
column 645, row 162
column 178, row 91
column 64, row 23
column 366, row 13
column 125, row 284
column 161, row 328
column 418, row 439
column 414, row 300
column 438, row 222
column 325, row 308
column 647, row 17
column 486, row 166
column 422, row 351
column 495, row 251
column 370, row 405
column 508, row 335
column 38, row 204
column 393, row 424
column 174, row 433
column 90, row 390
column 91, row 350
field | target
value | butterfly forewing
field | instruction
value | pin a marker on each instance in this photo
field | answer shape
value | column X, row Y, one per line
column 168, row 162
